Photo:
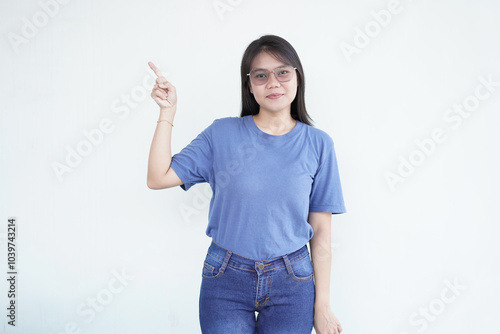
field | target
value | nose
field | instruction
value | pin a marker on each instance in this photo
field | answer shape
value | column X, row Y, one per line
column 272, row 81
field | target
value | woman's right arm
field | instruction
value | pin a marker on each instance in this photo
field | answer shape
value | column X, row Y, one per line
column 160, row 175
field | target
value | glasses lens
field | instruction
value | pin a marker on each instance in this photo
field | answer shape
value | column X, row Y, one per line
column 284, row 73
column 259, row 77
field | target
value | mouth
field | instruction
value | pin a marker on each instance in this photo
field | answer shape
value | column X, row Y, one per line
column 274, row 96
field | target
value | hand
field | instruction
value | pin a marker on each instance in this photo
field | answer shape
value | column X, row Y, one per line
column 164, row 93
column 325, row 322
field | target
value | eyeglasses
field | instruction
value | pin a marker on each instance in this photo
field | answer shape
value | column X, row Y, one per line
column 260, row 76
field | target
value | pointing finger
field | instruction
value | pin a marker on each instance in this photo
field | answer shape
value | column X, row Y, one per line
column 155, row 69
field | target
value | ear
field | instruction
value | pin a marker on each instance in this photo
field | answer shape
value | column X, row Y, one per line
column 251, row 90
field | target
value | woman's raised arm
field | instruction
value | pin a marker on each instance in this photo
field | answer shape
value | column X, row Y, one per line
column 160, row 175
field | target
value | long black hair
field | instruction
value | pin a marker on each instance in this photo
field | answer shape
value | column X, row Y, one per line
column 284, row 52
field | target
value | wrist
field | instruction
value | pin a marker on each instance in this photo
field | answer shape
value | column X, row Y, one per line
column 166, row 114
column 168, row 111
column 322, row 303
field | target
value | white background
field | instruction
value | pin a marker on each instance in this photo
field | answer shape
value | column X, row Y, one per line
column 394, row 249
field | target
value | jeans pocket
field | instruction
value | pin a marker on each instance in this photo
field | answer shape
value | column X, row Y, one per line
column 302, row 269
column 212, row 267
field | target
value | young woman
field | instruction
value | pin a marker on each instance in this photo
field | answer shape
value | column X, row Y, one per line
column 275, row 185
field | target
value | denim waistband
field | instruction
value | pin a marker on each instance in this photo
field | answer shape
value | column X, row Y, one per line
column 238, row 261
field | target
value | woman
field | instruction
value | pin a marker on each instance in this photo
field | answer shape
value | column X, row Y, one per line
column 275, row 186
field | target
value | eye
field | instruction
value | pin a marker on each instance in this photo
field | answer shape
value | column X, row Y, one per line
column 260, row 75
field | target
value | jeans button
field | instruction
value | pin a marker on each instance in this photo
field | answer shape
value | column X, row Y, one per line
column 261, row 266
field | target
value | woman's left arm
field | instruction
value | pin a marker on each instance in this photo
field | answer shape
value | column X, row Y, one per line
column 325, row 322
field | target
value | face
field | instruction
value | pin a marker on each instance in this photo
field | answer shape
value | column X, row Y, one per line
column 273, row 96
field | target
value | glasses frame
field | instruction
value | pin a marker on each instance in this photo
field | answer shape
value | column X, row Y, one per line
column 269, row 74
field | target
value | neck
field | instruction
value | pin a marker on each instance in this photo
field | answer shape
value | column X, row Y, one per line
column 274, row 122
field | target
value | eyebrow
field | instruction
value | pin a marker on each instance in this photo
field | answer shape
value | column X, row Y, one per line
column 255, row 69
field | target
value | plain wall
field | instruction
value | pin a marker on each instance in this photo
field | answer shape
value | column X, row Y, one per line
column 401, row 87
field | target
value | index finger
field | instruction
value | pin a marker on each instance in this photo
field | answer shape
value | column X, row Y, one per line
column 155, row 69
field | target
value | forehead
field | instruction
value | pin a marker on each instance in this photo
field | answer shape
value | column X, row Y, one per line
column 265, row 60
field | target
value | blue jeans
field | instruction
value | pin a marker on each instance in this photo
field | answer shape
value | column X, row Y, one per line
column 234, row 287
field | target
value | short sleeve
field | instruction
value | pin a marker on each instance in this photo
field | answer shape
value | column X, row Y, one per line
column 193, row 164
column 326, row 191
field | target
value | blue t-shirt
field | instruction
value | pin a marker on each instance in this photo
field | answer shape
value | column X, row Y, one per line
column 263, row 185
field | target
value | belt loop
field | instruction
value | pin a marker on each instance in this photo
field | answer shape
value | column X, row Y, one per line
column 287, row 263
column 226, row 260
